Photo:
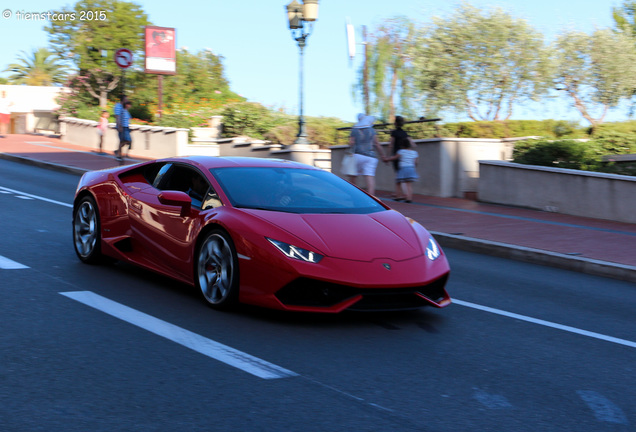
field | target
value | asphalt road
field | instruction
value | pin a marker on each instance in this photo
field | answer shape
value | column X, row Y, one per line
column 524, row 347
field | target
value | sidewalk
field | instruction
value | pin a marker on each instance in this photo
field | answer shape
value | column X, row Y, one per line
column 591, row 246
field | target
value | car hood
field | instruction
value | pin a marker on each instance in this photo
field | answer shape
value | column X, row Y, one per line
column 362, row 237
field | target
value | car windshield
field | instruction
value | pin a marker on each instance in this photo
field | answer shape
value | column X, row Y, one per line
column 292, row 190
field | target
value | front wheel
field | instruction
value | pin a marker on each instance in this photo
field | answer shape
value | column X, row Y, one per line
column 86, row 231
column 216, row 274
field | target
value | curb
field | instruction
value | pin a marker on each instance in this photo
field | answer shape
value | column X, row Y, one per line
column 537, row 256
column 42, row 164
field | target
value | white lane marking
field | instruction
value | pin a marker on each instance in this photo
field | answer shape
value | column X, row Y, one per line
column 7, row 264
column 205, row 346
column 547, row 323
column 604, row 410
column 24, row 194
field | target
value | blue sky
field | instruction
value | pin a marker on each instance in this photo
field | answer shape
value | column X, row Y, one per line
column 261, row 58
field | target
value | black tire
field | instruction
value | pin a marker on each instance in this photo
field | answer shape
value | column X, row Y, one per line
column 87, row 236
column 216, row 272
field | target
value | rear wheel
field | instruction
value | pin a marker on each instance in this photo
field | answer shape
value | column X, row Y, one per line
column 87, row 231
column 217, row 270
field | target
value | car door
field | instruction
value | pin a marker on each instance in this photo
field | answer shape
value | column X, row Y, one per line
column 166, row 232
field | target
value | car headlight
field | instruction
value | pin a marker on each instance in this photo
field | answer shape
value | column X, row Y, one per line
column 294, row 252
column 432, row 249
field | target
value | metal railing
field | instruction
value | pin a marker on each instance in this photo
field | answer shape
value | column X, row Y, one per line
column 415, row 133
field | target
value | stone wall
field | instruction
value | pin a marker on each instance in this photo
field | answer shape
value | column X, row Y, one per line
column 149, row 142
column 448, row 167
column 574, row 192
column 155, row 142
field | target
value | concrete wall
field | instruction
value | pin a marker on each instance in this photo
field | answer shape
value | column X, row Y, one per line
column 448, row 167
column 154, row 142
column 149, row 142
column 213, row 131
column 579, row 193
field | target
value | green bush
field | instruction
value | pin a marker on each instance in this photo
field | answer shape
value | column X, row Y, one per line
column 247, row 118
column 615, row 142
column 560, row 154
column 626, row 127
column 515, row 128
column 426, row 130
column 321, row 130
column 88, row 112
column 180, row 120
column 141, row 112
column 282, row 134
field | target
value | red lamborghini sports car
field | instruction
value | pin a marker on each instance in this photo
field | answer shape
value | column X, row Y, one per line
column 265, row 232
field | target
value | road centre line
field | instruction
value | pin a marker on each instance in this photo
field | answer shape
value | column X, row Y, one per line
column 547, row 323
column 7, row 264
column 36, row 197
column 195, row 342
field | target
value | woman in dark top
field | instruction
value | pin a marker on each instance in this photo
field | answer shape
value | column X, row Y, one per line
column 399, row 140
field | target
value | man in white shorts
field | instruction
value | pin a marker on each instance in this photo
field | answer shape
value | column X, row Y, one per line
column 366, row 148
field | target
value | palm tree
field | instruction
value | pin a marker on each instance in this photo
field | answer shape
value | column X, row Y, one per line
column 41, row 68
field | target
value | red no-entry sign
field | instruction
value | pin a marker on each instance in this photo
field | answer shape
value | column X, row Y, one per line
column 123, row 58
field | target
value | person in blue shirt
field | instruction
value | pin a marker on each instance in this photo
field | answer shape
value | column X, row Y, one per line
column 123, row 126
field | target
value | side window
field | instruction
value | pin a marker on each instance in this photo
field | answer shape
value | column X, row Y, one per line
column 197, row 187
column 150, row 172
column 188, row 180
column 160, row 178
column 211, row 200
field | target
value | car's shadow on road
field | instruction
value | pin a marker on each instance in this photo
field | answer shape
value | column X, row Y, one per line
column 427, row 318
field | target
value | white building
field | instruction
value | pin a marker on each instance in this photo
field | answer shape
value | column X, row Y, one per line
column 32, row 107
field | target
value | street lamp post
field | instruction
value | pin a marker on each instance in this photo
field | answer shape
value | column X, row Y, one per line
column 301, row 21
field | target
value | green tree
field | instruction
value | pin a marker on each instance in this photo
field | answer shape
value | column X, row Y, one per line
column 199, row 85
column 199, row 76
column 40, row 68
column 90, row 44
column 625, row 17
column 595, row 71
column 480, row 63
column 387, row 68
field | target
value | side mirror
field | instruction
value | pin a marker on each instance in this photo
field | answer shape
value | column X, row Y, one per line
column 177, row 199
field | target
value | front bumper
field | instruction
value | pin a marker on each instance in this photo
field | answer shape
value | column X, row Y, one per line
column 305, row 294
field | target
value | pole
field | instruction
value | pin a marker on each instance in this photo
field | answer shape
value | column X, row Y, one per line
column 365, row 72
column 301, row 138
column 123, row 83
column 160, row 90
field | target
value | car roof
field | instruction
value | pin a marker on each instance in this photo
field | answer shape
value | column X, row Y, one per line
column 210, row 162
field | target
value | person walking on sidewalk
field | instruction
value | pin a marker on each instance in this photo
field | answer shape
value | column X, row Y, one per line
column 102, row 127
column 118, row 111
column 407, row 173
column 124, row 131
column 366, row 148
column 5, row 114
column 400, row 139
